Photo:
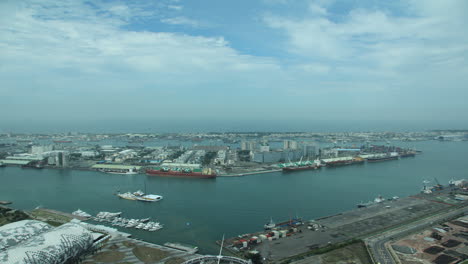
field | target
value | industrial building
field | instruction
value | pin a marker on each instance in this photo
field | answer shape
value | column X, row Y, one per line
column 276, row 156
column 290, row 144
column 249, row 145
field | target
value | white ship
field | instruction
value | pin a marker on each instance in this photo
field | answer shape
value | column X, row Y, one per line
column 269, row 225
column 140, row 196
column 149, row 198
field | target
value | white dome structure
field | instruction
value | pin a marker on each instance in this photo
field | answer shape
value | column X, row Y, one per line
column 17, row 232
column 53, row 246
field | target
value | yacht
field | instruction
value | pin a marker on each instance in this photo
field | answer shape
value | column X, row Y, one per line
column 149, row 198
column 81, row 213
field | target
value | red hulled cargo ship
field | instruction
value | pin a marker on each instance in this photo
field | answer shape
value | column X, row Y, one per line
column 178, row 172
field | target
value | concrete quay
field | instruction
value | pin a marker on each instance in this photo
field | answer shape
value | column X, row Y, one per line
column 357, row 224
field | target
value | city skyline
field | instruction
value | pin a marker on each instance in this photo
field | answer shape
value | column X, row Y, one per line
column 271, row 60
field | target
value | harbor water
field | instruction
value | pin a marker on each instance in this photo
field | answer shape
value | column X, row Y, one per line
column 200, row 211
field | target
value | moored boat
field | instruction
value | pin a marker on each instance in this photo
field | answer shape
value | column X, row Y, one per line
column 81, row 213
column 269, row 225
column 300, row 166
column 343, row 161
column 384, row 157
column 407, row 154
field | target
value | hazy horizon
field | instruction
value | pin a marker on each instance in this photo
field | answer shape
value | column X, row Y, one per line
column 187, row 126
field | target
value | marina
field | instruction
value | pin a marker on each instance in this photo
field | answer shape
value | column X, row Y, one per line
column 115, row 219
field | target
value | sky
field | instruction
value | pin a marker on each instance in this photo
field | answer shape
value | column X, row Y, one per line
column 227, row 62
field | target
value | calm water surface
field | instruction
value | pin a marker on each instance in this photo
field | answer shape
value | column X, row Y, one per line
column 200, row 211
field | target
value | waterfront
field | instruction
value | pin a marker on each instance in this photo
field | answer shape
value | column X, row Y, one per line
column 200, row 211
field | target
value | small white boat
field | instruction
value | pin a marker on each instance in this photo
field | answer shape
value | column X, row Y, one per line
column 108, row 216
column 81, row 213
column 269, row 225
column 150, row 198
column 379, row 199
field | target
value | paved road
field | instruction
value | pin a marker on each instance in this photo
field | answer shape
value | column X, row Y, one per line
column 376, row 244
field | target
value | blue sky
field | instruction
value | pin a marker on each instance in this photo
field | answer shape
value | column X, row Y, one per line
column 234, row 60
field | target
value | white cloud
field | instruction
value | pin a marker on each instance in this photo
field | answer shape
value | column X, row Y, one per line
column 90, row 60
column 180, row 20
column 82, row 56
column 374, row 38
column 175, row 7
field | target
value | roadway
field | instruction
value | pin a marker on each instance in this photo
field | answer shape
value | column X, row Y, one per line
column 377, row 244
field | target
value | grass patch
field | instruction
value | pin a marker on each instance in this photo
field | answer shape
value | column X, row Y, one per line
column 337, row 252
column 354, row 253
column 109, row 256
column 149, row 255
column 49, row 216
column 128, row 244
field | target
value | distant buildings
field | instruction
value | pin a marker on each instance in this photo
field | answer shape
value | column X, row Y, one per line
column 289, row 144
column 310, row 151
column 58, row 159
column 39, row 150
column 249, row 145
